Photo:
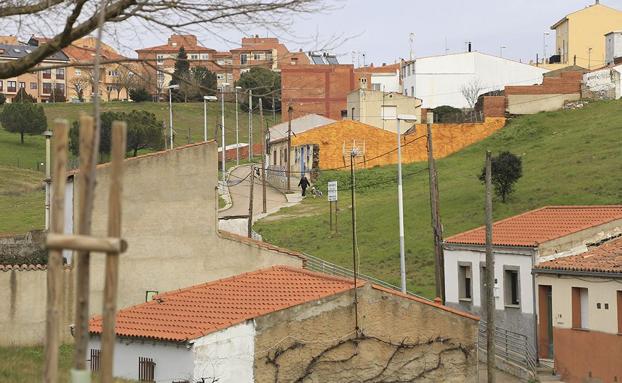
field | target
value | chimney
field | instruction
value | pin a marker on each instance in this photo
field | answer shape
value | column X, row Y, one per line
column 469, row 46
column 597, row 2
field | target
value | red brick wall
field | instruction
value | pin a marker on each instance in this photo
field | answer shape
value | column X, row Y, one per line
column 493, row 106
column 231, row 153
column 567, row 83
column 320, row 89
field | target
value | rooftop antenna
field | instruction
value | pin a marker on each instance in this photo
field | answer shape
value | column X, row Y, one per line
column 411, row 39
column 446, row 48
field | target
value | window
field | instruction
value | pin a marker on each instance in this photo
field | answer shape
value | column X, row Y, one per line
column 159, row 59
column 294, row 61
column 243, row 58
column 22, row 85
column 412, row 91
column 146, row 369
column 47, row 73
column 257, row 56
column 579, row 308
column 94, row 360
column 273, row 158
column 11, row 86
column 204, row 56
column 465, row 282
column 1, row 85
column 60, row 89
column 230, row 77
column 220, row 62
column 619, row 312
column 220, row 76
column 47, row 88
column 194, row 57
column 33, row 85
column 511, row 287
column 149, row 294
column 60, row 73
column 375, row 86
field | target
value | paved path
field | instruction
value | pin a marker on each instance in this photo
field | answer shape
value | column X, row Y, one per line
column 239, row 188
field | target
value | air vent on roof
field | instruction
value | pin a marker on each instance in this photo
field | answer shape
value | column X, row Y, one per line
column 16, row 50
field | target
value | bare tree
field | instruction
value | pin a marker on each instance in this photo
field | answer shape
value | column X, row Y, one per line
column 125, row 79
column 79, row 85
column 471, row 91
column 78, row 18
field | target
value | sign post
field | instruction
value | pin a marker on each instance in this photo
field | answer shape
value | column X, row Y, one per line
column 332, row 198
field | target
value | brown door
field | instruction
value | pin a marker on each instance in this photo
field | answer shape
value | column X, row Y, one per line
column 545, row 325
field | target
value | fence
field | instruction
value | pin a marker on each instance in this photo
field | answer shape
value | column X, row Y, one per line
column 511, row 347
column 146, row 369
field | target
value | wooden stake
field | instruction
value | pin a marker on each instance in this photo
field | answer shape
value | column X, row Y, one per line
column 437, row 228
column 112, row 259
column 490, row 278
column 250, row 203
column 82, row 262
column 55, row 257
column 263, row 159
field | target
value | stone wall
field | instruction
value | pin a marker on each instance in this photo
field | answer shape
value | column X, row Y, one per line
column 17, row 249
column 400, row 339
column 448, row 139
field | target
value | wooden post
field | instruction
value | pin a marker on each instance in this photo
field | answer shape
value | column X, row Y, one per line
column 55, row 257
column 490, row 277
column 263, row 159
column 112, row 259
column 437, row 228
column 250, row 203
column 82, row 262
column 336, row 209
column 289, row 146
column 330, row 213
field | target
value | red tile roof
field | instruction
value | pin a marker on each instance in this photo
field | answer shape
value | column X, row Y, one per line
column 196, row 311
column 606, row 258
column 541, row 225
column 175, row 49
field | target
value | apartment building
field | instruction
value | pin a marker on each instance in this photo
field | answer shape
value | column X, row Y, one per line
column 41, row 85
column 266, row 52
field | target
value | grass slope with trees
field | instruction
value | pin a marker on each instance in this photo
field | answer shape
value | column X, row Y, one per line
column 569, row 157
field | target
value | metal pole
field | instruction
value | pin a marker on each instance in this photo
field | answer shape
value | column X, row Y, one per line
column 170, row 117
column 250, row 124
column 289, row 146
column 490, row 280
column 237, row 129
column 48, row 158
column 204, row 120
column 354, row 239
column 263, row 158
column 250, row 203
column 400, row 208
column 222, row 127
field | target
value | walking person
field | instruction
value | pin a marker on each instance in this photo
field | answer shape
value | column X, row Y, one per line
column 304, row 183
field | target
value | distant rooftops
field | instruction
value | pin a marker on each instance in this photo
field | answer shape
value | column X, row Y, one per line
column 541, row 225
column 299, row 125
column 323, row 58
column 21, row 50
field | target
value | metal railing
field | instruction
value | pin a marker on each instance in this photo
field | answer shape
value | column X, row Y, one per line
column 316, row 264
column 510, row 346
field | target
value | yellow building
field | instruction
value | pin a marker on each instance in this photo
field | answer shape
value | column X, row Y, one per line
column 581, row 35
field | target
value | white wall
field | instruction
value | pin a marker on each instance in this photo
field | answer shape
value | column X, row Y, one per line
column 389, row 82
column 227, row 355
column 475, row 258
column 613, row 46
column 438, row 79
column 173, row 362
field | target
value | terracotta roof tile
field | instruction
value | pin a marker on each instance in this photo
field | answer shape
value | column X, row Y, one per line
column 541, row 225
column 606, row 258
column 24, row 267
column 202, row 309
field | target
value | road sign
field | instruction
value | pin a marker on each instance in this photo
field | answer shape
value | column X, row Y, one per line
column 332, row 191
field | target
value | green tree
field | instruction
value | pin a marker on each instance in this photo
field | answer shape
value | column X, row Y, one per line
column 2, row 98
column 506, row 169
column 199, row 82
column 23, row 118
column 181, row 74
column 23, row 96
column 264, row 83
column 139, row 95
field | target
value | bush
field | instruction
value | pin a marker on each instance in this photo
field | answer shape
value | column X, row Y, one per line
column 506, row 169
column 2, row 98
column 140, row 95
column 23, row 118
column 23, row 96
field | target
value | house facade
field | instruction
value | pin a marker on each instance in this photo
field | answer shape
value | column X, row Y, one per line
column 438, row 80
column 580, row 313
column 520, row 243
column 579, row 36
column 613, row 47
column 380, row 109
column 293, row 324
column 603, row 84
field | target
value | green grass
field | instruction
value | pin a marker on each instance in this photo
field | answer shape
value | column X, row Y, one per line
column 569, row 157
column 25, row 364
column 21, row 172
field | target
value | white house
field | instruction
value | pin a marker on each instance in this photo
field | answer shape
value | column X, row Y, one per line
column 519, row 243
column 438, row 80
column 613, row 46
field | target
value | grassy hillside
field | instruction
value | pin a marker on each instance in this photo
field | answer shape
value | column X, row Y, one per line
column 21, row 172
column 569, row 157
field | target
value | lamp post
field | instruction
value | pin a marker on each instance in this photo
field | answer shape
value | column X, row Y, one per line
column 222, row 127
column 48, row 135
column 400, row 198
column 237, row 127
column 205, row 100
column 544, row 45
column 170, row 112
column 501, row 50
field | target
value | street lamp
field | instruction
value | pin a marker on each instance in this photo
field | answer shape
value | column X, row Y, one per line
column 237, row 128
column 222, row 127
column 205, row 100
column 48, row 135
column 544, row 45
column 501, row 50
column 400, row 195
column 170, row 112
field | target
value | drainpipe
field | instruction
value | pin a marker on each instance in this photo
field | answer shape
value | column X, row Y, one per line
column 535, row 311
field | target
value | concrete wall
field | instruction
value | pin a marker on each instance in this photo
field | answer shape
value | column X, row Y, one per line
column 226, row 355
column 169, row 221
column 535, row 103
column 173, row 360
column 367, row 107
column 317, row 341
column 603, row 84
column 448, row 139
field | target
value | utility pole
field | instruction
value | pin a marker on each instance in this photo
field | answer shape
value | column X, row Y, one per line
column 437, row 228
column 250, row 124
column 237, row 128
column 263, row 158
column 289, row 145
column 354, row 239
column 490, row 279
column 250, row 203
column 222, row 127
column 273, row 110
column 400, row 209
